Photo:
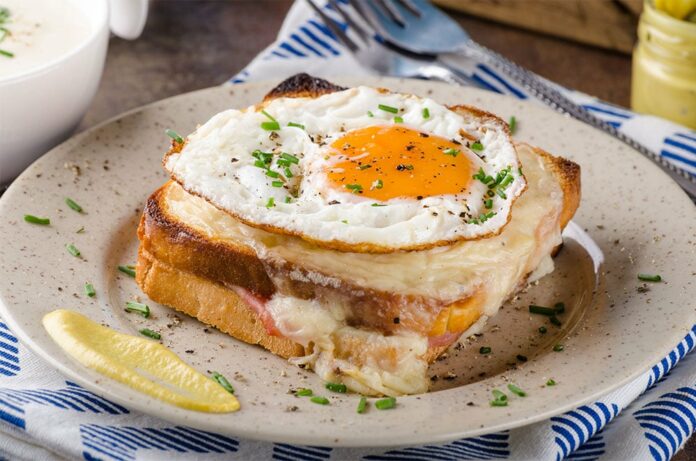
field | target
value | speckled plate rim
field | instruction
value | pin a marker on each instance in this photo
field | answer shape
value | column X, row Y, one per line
column 121, row 394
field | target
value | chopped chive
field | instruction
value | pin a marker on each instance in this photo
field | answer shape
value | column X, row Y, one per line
column 378, row 184
column 127, row 270
column 386, row 404
column 150, row 334
column 502, row 194
column 337, row 387
column 72, row 249
column 498, row 395
column 499, row 403
column 558, row 348
column 541, row 310
column 34, row 220
column 9, row 54
column 174, row 135
column 304, row 392
column 296, row 125
column 221, row 380
column 649, row 278
column 559, row 308
column 80, row 230
column 476, row 146
column 370, row 114
column 290, row 158
column 272, row 174
column 555, row 320
column 344, row 221
column 288, row 199
column 542, row 330
column 483, row 350
column 270, row 203
column 140, row 308
column 512, row 124
column 270, row 117
column 398, row 119
column 550, row 382
column 270, row 126
column 89, row 290
column 507, row 180
column 362, row 405
column 516, row 390
column 260, row 164
column 72, row 204
column 522, row 358
column 355, row 188
column 390, row 109
column 282, row 162
column 426, row 112
column 379, row 204
column 277, row 183
column 319, row 400
column 488, row 203
column 450, row 151
column 364, row 167
column 288, row 173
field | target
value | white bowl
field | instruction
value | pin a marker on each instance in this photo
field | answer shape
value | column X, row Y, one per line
column 42, row 106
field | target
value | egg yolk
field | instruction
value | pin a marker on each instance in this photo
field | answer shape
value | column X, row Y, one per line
column 386, row 162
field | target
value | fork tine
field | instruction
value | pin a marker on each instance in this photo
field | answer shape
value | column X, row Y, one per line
column 391, row 11
column 335, row 28
column 346, row 17
column 413, row 9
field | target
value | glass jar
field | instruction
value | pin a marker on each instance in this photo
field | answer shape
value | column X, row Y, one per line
column 664, row 67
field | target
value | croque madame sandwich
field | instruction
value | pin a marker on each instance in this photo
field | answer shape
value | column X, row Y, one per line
column 357, row 231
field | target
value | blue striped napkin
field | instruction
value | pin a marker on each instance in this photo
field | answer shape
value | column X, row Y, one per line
column 45, row 417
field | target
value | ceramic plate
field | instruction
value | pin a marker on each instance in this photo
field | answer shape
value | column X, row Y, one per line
column 632, row 219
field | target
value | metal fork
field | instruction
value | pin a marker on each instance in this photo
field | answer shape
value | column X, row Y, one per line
column 417, row 27
column 381, row 57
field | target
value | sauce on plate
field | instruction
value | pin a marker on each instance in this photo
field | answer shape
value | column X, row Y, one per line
column 140, row 363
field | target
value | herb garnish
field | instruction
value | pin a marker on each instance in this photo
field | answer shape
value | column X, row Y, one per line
column 73, row 205
column 337, row 387
column 303, row 392
column 290, row 158
column 296, row 125
column 221, row 380
column 476, row 146
column 174, row 135
column 450, row 151
column 390, row 109
column 370, row 114
column 386, row 404
column 320, row 400
column 89, row 290
column 34, row 220
column 558, row 348
column 426, row 113
column 355, row 188
column 378, row 184
column 483, row 217
column 398, row 119
column 277, row 183
column 543, row 330
column 4, row 32
column 499, row 399
column 270, row 203
column 362, row 405
column 541, row 310
column 516, row 390
column 272, row 125
column 128, row 270
column 649, row 278
column 150, row 334
column 550, row 382
column 512, row 124
column 379, row 204
column 72, row 249
column 483, row 350
column 140, row 308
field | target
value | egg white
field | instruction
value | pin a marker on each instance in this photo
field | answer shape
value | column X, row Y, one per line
column 217, row 164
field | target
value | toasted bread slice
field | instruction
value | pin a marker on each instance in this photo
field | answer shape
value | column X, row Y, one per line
column 180, row 267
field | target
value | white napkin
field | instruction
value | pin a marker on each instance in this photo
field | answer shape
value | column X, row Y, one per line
column 45, row 417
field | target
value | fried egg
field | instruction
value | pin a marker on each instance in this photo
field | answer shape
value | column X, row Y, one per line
column 361, row 170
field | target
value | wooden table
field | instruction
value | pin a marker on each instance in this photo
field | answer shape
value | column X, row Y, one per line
column 188, row 45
